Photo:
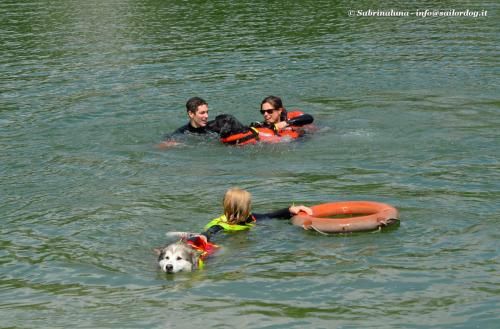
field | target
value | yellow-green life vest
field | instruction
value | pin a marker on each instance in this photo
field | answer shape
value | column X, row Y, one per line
column 222, row 221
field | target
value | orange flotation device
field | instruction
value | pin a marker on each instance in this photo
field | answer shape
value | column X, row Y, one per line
column 368, row 215
column 293, row 114
column 204, row 247
column 266, row 135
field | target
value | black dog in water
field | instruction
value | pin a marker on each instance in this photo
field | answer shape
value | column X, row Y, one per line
column 226, row 125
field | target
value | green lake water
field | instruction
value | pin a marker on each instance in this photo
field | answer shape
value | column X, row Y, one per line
column 407, row 113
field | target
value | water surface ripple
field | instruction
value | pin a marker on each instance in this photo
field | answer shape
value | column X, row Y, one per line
column 407, row 114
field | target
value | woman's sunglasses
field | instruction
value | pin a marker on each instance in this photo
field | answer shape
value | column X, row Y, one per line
column 267, row 111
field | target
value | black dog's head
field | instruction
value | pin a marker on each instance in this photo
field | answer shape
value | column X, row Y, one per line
column 226, row 125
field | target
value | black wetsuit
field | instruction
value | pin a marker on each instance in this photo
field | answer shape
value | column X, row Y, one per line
column 187, row 128
column 301, row 120
column 282, row 214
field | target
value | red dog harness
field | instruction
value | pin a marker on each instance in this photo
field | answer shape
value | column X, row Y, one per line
column 204, row 247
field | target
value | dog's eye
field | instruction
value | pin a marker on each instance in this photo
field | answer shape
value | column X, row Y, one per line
column 167, row 257
column 179, row 258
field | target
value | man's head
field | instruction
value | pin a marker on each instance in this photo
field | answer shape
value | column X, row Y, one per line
column 197, row 110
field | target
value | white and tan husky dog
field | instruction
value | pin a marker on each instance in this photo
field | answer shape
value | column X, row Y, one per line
column 178, row 256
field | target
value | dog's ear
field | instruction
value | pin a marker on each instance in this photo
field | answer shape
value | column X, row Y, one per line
column 157, row 251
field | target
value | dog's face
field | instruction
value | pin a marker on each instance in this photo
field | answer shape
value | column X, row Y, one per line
column 176, row 257
column 226, row 125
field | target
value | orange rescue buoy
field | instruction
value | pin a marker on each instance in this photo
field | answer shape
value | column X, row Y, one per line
column 368, row 215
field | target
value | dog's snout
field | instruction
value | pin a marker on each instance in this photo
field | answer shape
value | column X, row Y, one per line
column 169, row 268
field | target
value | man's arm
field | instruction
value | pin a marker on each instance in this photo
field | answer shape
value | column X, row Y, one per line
column 169, row 139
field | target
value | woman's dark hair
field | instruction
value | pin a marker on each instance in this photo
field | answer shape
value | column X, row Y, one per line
column 193, row 103
column 276, row 102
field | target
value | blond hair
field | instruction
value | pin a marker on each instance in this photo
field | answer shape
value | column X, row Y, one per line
column 237, row 204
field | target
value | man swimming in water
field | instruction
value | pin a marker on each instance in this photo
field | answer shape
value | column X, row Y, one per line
column 197, row 111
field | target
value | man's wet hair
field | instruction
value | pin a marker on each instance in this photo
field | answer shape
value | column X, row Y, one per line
column 193, row 103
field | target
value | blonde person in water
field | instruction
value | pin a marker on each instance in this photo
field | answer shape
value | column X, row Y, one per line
column 238, row 216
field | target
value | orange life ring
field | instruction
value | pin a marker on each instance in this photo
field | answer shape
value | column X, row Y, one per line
column 369, row 216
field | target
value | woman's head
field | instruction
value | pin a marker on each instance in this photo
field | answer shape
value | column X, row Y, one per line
column 237, row 205
column 272, row 108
